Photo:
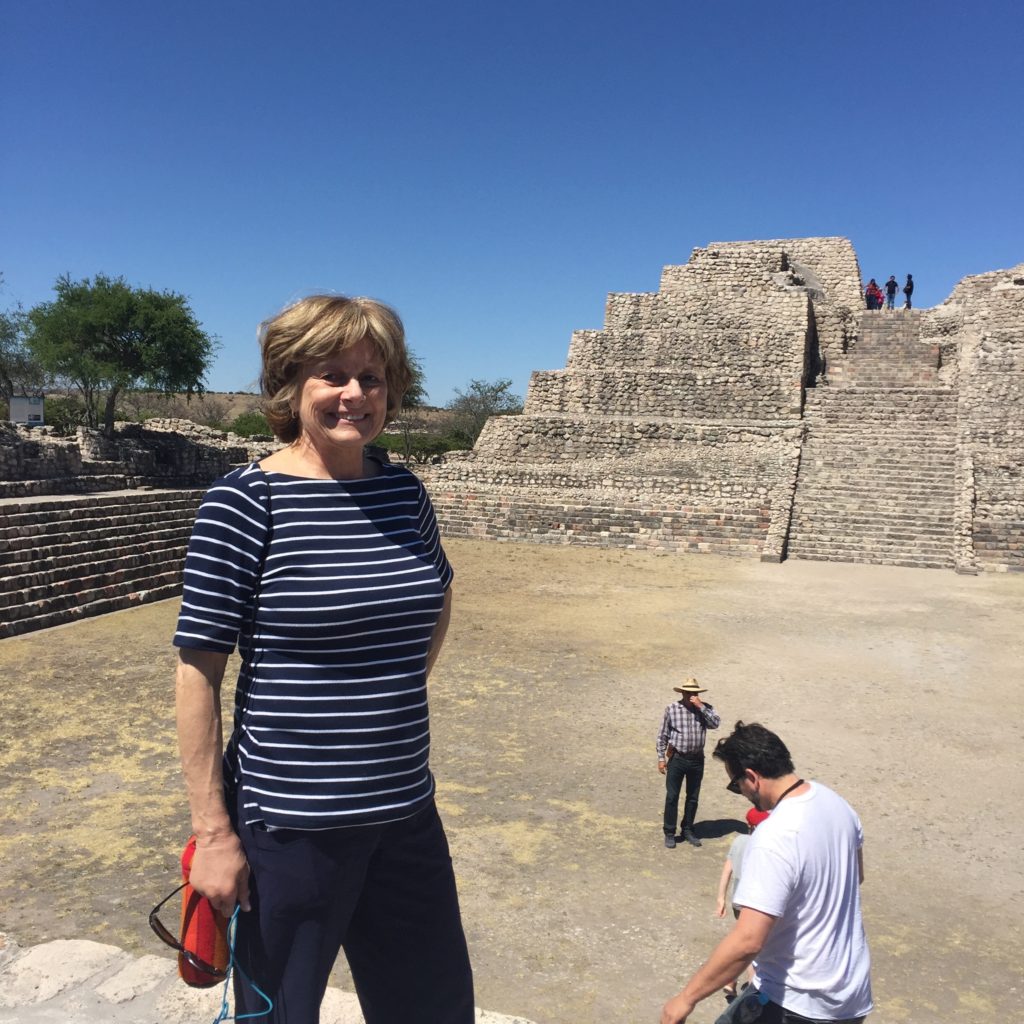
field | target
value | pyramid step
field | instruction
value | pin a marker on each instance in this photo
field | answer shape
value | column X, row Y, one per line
column 49, row 574
column 56, row 530
column 42, row 601
column 35, row 548
column 835, row 535
column 853, row 557
column 97, row 602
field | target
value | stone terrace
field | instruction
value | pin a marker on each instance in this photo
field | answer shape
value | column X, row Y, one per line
column 121, row 541
column 64, row 558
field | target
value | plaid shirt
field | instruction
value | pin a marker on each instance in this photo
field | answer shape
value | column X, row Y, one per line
column 686, row 728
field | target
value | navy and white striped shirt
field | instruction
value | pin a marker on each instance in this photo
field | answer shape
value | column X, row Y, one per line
column 331, row 726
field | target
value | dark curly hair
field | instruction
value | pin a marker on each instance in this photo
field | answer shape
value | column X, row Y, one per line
column 753, row 746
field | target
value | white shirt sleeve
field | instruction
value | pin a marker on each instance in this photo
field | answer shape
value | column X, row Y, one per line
column 768, row 880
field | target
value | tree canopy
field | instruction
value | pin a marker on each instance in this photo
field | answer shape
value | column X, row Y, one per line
column 105, row 337
column 415, row 396
column 481, row 400
column 19, row 372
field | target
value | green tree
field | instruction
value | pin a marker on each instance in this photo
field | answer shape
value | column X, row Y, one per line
column 106, row 337
column 415, row 396
column 416, row 446
column 481, row 400
column 20, row 372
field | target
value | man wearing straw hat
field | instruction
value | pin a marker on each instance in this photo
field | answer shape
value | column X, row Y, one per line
column 680, row 748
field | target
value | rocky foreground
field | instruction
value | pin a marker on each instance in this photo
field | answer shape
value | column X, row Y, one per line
column 74, row 981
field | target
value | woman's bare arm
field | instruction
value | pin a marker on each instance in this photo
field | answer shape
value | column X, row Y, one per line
column 219, row 869
column 440, row 631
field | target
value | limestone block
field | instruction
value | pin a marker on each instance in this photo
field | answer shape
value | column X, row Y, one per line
column 137, row 978
column 45, row 971
column 179, row 1004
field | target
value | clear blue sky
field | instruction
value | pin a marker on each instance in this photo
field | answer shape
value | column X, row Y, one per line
column 494, row 169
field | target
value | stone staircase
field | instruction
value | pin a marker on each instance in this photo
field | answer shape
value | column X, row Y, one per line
column 887, row 353
column 877, row 471
column 66, row 558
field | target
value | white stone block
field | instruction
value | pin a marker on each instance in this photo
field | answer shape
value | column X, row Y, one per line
column 45, row 971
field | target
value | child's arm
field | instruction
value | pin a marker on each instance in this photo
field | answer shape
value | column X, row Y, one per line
column 723, row 887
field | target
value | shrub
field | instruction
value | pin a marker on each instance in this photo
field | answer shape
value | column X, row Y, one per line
column 65, row 415
column 250, row 423
column 420, row 447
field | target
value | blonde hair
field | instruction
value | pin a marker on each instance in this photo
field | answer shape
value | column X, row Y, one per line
column 317, row 327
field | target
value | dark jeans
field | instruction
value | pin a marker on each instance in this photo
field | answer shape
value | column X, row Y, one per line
column 679, row 768
column 748, row 1009
column 384, row 893
column 775, row 1014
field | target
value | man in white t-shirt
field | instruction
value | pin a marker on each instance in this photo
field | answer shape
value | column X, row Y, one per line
column 799, row 899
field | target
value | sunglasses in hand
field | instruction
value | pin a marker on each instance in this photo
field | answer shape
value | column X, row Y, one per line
column 192, row 905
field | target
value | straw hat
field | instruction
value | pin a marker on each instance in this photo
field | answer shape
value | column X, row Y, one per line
column 690, row 686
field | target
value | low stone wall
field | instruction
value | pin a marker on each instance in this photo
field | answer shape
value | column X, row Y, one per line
column 738, row 529
column 36, row 454
column 157, row 453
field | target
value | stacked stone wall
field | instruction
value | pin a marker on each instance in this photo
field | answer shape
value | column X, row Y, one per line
column 636, row 443
column 988, row 314
column 35, row 454
column 824, row 268
column 736, row 529
column 157, row 453
column 744, row 357
column 728, row 393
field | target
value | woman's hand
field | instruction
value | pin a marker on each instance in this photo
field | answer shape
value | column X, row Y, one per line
column 720, row 908
column 220, row 872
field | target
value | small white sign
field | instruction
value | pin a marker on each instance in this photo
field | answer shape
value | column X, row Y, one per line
column 27, row 410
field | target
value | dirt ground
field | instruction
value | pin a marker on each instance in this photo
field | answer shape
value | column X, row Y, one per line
column 900, row 688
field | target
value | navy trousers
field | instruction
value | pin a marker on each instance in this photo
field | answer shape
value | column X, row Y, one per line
column 384, row 893
column 680, row 768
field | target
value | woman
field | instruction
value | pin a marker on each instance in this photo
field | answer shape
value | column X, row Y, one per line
column 325, row 567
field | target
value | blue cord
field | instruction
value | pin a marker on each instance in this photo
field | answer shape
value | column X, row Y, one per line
column 225, row 1010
